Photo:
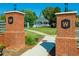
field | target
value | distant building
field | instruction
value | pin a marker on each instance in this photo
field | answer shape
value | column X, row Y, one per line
column 41, row 21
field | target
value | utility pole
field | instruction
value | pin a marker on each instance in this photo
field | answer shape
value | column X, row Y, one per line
column 66, row 7
column 14, row 6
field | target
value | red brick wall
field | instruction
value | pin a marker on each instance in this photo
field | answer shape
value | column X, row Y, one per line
column 2, row 38
column 70, row 32
column 15, row 32
column 18, row 22
column 66, row 46
column 65, row 40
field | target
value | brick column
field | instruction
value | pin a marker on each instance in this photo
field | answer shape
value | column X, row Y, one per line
column 14, row 37
column 66, row 33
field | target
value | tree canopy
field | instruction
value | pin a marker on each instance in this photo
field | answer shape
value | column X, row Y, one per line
column 2, row 17
column 49, row 13
column 30, row 17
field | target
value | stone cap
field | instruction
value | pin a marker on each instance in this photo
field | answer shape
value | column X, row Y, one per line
column 14, row 12
column 72, row 12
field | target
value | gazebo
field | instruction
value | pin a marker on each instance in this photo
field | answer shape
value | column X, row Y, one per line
column 41, row 21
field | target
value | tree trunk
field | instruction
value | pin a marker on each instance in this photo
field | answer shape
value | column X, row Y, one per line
column 52, row 24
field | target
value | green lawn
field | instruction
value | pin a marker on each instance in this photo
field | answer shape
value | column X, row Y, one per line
column 47, row 30
column 31, row 38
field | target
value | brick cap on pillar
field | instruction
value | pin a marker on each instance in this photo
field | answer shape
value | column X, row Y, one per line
column 72, row 12
column 14, row 12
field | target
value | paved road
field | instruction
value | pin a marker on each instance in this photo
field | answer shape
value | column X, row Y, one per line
column 43, row 47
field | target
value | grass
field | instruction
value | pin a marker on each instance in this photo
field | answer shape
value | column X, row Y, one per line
column 31, row 38
column 47, row 30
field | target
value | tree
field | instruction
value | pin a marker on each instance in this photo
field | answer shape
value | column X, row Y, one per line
column 2, row 17
column 30, row 17
column 49, row 13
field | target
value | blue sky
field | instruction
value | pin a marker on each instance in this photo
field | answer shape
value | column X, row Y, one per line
column 37, row 7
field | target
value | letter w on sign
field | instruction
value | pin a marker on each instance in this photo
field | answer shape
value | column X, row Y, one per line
column 65, row 24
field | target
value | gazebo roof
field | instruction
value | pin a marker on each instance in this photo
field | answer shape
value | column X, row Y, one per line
column 42, row 19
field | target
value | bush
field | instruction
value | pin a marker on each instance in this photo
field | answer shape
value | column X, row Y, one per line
column 2, row 46
column 77, row 24
column 30, row 40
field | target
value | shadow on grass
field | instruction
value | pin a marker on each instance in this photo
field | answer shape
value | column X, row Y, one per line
column 50, row 47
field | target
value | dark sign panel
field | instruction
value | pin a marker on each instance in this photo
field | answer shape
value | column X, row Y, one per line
column 65, row 24
column 10, row 20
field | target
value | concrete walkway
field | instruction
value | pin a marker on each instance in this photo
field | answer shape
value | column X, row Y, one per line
column 43, row 47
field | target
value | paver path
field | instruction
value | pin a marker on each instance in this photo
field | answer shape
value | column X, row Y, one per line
column 41, row 49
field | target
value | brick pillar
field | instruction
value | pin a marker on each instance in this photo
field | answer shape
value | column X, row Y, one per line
column 66, row 36
column 14, row 29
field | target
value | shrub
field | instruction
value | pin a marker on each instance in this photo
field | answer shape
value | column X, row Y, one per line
column 77, row 24
column 30, row 40
column 2, row 46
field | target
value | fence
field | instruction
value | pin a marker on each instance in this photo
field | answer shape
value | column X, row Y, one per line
column 2, row 26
